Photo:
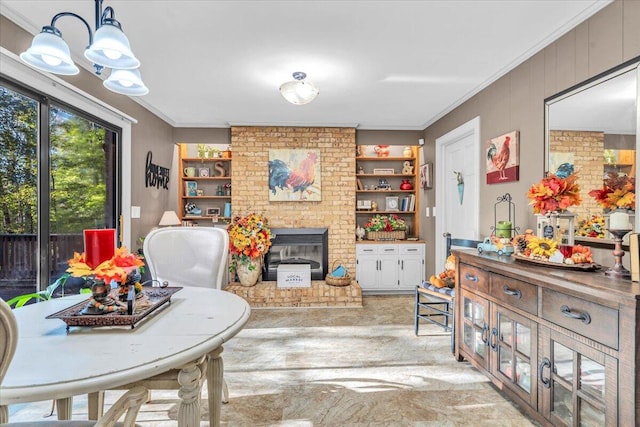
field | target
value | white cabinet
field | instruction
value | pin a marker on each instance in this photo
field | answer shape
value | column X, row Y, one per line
column 389, row 266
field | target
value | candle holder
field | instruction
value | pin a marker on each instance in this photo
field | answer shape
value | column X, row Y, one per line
column 618, row 271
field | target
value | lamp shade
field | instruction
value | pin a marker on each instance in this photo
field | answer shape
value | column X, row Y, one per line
column 126, row 82
column 169, row 218
column 49, row 52
column 298, row 91
column 110, row 48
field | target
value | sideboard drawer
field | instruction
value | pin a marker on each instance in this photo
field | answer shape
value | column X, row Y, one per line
column 474, row 278
column 515, row 293
column 586, row 318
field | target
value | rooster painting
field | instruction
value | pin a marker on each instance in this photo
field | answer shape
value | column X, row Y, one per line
column 502, row 159
column 293, row 176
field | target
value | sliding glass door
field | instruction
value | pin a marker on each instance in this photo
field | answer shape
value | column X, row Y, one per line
column 58, row 176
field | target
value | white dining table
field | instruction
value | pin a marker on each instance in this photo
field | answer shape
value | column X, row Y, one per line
column 53, row 363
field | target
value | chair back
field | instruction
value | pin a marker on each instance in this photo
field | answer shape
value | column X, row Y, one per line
column 8, row 337
column 188, row 256
column 465, row 243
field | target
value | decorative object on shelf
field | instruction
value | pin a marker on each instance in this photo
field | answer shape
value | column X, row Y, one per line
column 392, row 203
column 554, row 194
column 226, row 154
column 407, row 169
column 383, row 184
column 618, row 270
column 227, row 189
column 386, row 227
column 297, row 91
column 382, row 150
column 460, row 180
column 502, row 158
column 191, row 188
column 202, row 151
column 220, row 191
column 504, row 228
column 559, row 226
column 360, row 232
column 360, row 170
column 108, row 48
column 339, row 276
column 406, row 185
column 190, row 171
column 203, row 172
column 379, row 171
column 617, row 192
column 192, row 209
column 294, row 175
column 406, row 151
column 249, row 239
column 199, row 193
column 213, row 211
column 227, row 210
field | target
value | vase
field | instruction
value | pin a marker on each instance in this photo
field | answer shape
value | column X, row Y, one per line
column 248, row 273
column 406, row 185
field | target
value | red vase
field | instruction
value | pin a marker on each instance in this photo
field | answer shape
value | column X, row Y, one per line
column 406, row 185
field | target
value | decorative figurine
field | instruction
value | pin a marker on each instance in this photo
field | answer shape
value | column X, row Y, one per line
column 360, row 232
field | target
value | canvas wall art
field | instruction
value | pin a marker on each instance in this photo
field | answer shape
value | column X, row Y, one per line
column 294, row 175
column 503, row 163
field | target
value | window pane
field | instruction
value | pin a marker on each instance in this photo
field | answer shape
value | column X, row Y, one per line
column 81, row 170
column 18, row 193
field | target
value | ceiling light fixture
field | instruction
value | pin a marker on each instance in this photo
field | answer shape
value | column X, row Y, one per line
column 298, row 91
column 109, row 48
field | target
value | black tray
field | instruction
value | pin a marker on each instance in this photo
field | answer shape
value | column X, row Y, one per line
column 73, row 316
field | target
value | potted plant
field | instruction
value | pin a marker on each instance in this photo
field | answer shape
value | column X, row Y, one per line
column 385, row 227
column 554, row 194
column 249, row 240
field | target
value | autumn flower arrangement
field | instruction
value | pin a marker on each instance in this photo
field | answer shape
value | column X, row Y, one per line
column 593, row 226
column 554, row 194
column 617, row 192
column 117, row 268
column 249, row 238
column 390, row 222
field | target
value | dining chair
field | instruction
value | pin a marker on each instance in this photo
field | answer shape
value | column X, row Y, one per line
column 128, row 404
column 181, row 256
column 437, row 305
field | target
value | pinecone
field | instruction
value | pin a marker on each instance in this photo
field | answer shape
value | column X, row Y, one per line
column 521, row 244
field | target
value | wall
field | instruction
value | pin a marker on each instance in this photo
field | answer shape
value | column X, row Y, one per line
column 250, row 176
column 516, row 102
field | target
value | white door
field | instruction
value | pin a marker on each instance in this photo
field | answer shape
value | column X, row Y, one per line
column 457, row 154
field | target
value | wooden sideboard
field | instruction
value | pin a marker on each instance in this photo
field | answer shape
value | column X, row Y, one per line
column 564, row 344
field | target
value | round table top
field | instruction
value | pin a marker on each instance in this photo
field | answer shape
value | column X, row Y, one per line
column 51, row 363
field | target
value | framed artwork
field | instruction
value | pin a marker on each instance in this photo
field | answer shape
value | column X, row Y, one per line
column 199, row 192
column 203, row 172
column 383, row 171
column 503, row 163
column 213, row 211
column 392, row 203
column 190, row 188
column 426, row 176
column 294, row 175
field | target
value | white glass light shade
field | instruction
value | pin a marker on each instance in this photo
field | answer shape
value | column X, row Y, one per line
column 49, row 52
column 110, row 48
column 169, row 218
column 126, row 82
column 297, row 91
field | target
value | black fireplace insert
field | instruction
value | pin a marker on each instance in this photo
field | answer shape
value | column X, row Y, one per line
column 298, row 246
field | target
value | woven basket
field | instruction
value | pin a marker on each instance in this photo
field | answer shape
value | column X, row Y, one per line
column 386, row 235
column 337, row 281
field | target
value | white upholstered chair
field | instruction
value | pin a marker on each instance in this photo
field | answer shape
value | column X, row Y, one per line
column 128, row 403
column 181, row 256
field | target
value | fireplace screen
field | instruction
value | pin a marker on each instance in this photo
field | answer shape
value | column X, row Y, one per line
column 297, row 246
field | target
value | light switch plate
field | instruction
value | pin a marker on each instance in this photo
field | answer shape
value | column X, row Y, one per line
column 135, row 211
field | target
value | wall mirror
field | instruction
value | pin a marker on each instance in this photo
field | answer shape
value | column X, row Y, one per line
column 591, row 129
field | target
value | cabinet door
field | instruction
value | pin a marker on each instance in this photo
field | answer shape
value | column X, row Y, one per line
column 367, row 271
column 514, row 345
column 579, row 383
column 474, row 332
column 411, row 271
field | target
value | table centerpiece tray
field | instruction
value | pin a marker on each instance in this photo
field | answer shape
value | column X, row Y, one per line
column 74, row 316
column 589, row 266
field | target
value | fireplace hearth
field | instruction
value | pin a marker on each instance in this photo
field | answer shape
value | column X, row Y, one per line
column 298, row 246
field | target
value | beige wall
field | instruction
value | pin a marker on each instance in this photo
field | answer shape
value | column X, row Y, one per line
column 516, row 102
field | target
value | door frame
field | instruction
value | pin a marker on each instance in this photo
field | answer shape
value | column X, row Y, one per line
column 470, row 128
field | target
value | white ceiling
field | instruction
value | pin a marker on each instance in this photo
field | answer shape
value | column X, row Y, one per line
column 378, row 64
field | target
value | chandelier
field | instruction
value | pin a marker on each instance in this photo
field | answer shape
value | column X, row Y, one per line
column 108, row 48
column 297, row 91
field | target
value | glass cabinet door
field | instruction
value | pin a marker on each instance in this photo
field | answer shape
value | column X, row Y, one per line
column 576, row 381
column 513, row 341
column 475, row 327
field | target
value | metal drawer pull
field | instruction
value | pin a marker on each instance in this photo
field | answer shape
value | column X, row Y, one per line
column 584, row 316
column 511, row 292
column 485, row 334
column 471, row 277
column 546, row 363
column 494, row 344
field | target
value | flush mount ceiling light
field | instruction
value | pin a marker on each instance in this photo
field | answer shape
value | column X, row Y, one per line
column 298, row 91
column 109, row 48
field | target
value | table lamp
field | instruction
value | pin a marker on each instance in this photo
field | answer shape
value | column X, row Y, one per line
column 169, row 218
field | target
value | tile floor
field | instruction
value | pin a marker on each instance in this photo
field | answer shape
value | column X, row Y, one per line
column 338, row 367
